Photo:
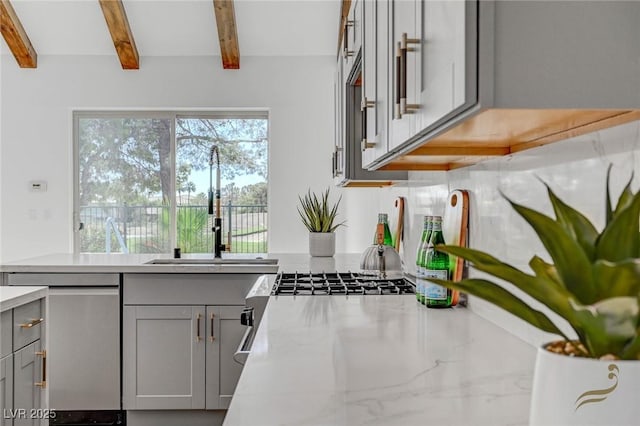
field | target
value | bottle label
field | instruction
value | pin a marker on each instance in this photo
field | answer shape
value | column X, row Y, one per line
column 435, row 291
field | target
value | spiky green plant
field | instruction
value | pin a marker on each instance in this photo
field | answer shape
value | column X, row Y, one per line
column 316, row 214
column 593, row 282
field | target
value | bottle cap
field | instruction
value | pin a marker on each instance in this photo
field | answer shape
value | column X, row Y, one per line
column 382, row 217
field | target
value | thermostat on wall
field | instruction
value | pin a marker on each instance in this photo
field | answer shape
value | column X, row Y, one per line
column 38, row 186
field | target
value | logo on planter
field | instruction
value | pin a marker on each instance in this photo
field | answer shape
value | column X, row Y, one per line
column 599, row 395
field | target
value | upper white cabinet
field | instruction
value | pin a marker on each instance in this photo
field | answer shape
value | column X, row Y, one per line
column 405, row 35
column 468, row 80
column 361, row 127
column 376, row 98
column 352, row 34
column 442, row 65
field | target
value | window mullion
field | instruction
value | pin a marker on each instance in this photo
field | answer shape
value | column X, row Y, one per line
column 173, row 206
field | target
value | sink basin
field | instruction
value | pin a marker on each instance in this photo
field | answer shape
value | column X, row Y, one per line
column 212, row 261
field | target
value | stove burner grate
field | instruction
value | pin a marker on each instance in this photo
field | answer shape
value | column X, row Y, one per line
column 338, row 283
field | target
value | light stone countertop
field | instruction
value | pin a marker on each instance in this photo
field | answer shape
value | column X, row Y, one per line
column 380, row 360
column 12, row 297
column 136, row 263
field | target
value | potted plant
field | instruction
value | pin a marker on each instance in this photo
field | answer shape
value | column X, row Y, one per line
column 591, row 376
column 319, row 217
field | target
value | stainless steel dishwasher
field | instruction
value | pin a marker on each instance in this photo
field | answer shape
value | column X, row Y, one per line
column 83, row 346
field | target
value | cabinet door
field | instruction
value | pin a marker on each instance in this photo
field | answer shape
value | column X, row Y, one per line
column 27, row 372
column 6, row 390
column 356, row 29
column 224, row 334
column 376, row 55
column 163, row 357
column 338, row 159
column 404, row 21
column 442, row 65
column 6, row 333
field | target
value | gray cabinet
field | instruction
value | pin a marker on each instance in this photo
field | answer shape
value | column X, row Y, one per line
column 404, row 33
column 27, row 382
column 6, row 389
column 352, row 34
column 375, row 87
column 180, row 357
column 441, row 66
column 361, row 127
column 338, row 161
column 224, row 334
column 480, row 79
column 430, row 47
column 164, row 360
column 23, row 366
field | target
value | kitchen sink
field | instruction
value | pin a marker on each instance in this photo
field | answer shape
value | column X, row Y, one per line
column 238, row 265
column 212, row 261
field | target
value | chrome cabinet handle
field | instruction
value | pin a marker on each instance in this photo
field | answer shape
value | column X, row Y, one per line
column 398, row 83
column 211, row 336
column 198, row 338
column 336, row 150
column 346, row 52
column 404, row 47
column 43, row 383
column 32, row 323
column 365, row 144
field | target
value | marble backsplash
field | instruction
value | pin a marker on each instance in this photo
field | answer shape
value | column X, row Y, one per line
column 576, row 171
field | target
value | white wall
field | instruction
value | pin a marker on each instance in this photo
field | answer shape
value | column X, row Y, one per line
column 576, row 171
column 36, row 136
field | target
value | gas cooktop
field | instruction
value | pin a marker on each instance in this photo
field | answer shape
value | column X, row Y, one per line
column 339, row 283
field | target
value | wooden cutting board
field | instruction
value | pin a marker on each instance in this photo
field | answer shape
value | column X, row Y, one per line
column 455, row 227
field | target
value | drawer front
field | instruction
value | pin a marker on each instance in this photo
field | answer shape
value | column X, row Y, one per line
column 6, row 340
column 27, row 323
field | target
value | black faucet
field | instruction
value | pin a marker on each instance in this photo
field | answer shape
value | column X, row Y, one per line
column 218, row 247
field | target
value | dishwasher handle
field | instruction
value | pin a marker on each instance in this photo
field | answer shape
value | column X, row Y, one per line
column 244, row 348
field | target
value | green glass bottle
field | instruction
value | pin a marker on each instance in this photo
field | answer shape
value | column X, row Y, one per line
column 421, row 257
column 388, row 240
column 437, row 266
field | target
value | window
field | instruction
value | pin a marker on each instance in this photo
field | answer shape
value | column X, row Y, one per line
column 143, row 179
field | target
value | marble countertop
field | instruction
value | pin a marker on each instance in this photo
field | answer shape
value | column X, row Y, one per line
column 380, row 360
column 12, row 297
column 136, row 263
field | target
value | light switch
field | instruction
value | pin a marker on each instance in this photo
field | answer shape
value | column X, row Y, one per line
column 38, row 186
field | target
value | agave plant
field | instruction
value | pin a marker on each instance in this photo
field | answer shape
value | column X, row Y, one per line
column 593, row 282
column 316, row 213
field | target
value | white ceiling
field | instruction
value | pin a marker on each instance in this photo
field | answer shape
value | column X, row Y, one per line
column 182, row 27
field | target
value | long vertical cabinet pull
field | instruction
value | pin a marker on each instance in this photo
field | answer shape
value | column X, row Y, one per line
column 365, row 144
column 398, row 110
column 211, row 335
column 198, row 338
column 43, row 383
column 403, row 48
column 346, row 52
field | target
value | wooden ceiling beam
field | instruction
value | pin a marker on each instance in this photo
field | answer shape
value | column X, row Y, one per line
column 16, row 37
column 344, row 13
column 116, row 18
column 227, row 34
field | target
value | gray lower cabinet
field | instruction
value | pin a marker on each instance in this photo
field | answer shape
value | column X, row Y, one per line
column 6, row 390
column 224, row 335
column 27, row 380
column 22, row 365
column 180, row 357
column 164, row 357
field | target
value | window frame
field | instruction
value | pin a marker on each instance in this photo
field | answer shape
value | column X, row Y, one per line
column 173, row 116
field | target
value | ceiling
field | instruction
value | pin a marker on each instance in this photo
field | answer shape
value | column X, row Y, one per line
column 182, row 27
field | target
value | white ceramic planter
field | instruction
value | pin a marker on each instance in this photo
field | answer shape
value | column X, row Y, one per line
column 582, row 391
column 322, row 244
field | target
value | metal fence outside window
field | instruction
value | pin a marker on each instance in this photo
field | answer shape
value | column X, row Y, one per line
column 146, row 229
